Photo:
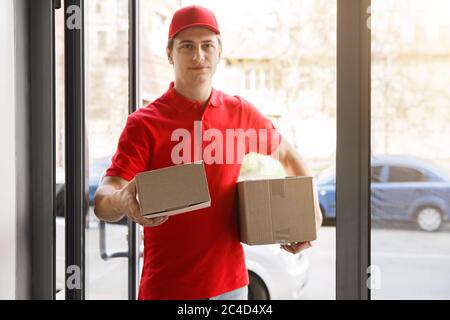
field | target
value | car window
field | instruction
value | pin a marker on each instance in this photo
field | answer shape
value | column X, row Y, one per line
column 405, row 174
column 375, row 174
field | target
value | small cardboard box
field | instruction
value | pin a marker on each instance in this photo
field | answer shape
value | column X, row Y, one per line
column 273, row 211
column 173, row 190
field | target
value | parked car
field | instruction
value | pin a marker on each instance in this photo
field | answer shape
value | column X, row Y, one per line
column 274, row 273
column 402, row 189
column 96, row 172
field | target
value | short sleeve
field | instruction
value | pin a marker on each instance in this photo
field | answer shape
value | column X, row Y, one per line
column 268, row 137
column 133, row 150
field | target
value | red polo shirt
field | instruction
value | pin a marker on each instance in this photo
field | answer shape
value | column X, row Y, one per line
column 197, row 254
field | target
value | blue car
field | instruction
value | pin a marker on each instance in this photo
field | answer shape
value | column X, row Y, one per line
column 402, row 189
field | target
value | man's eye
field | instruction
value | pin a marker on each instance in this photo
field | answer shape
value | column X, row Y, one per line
column 208, row 46
column 186, row 46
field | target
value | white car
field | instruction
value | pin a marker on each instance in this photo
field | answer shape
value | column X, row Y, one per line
column 274, row 273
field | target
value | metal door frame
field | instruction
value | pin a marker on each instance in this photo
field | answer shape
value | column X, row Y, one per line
column 353, row 149
column 41, row 72
column 134, row 104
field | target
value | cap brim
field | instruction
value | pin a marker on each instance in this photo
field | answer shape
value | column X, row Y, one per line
column 193, row 25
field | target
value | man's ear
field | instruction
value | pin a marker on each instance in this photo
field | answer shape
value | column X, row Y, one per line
column 169, row 55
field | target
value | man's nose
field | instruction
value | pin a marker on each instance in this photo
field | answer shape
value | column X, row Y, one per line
column 199, row 55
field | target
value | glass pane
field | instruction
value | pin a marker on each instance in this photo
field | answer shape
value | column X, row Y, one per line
column 106, row 109
column 106, row 112
column 291, row 78
column 410, row 115
column 281, row 56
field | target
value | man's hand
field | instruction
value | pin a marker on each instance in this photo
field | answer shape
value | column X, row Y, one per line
column 127, row 203
column 296, row 247
column 116, row 197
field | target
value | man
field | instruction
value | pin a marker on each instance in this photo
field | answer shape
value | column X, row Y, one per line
column 196, row 255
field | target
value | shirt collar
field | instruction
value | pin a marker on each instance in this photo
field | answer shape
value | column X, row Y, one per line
column 183, row 103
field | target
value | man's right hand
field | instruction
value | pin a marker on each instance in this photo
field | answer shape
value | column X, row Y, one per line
column 116, row 197
column 127, row 202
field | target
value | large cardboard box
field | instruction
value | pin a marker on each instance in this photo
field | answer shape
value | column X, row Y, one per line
column 273, row 211
column 173, row 190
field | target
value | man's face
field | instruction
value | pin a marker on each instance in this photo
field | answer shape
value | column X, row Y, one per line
column 195, row 55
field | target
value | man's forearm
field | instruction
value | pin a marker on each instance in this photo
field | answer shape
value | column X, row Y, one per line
column 295, row 165
column 291, row 160
column 105, row 207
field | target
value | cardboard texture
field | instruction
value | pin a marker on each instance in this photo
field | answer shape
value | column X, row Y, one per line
column 276, row 211
column 173, row 190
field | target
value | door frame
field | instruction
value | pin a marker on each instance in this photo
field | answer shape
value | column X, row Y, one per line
column 353, row 223
column 41, row 112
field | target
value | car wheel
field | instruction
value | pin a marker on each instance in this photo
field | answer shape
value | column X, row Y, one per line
column 429, row 219
column 257, row 289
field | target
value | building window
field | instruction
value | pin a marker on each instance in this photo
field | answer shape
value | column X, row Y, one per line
column 158, row 36
column 262, row 78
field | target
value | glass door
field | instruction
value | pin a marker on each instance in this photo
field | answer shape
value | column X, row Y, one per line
column 291, row 78
column 96, row 54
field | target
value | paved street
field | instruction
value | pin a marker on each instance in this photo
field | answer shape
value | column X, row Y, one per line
column 413, row 264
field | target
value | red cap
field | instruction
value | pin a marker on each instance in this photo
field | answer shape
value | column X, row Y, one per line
column 193, row 16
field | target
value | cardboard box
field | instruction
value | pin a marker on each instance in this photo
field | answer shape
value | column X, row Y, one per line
column 173, row 190
column 273, row 211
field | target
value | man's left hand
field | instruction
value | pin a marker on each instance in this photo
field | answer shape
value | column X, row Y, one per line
column 296, row 247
